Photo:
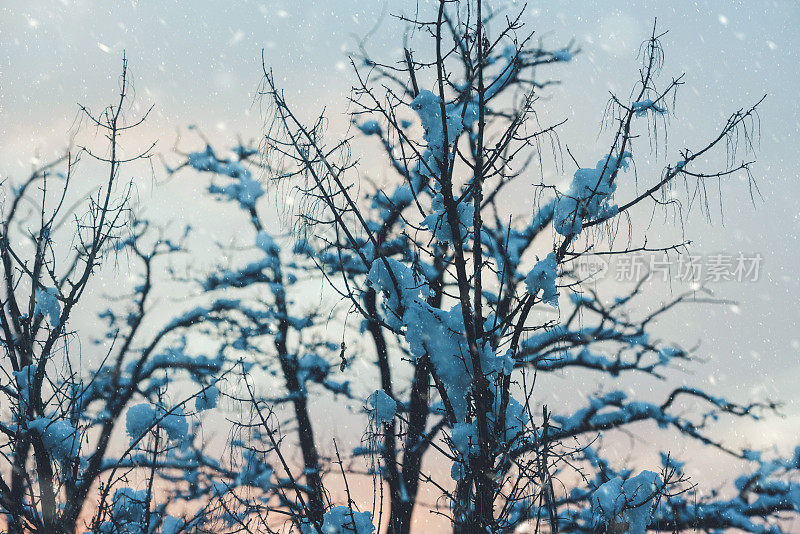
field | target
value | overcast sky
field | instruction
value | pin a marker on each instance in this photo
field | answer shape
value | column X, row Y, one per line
column 199, row 62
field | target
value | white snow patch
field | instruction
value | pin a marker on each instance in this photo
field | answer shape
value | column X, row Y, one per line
column 382, row 407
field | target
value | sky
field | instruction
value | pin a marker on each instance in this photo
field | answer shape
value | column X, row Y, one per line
column 199, row 63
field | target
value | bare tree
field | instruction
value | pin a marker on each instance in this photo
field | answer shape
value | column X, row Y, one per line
column 466, row 308
column 458, row 302
column 41, row 289
column 89, row 437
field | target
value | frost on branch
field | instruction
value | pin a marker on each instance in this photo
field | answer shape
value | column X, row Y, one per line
column 207, row 398
column 382, row 407
column 47, row 304
column 345, row 520
column 434, row 332
column 142, row 418
column 543, row 278
column 429, row 109
column 243, row 188
column 628, row 503
column 643, row 106
column 438, row 224
column 59, row 437
column 588, row 195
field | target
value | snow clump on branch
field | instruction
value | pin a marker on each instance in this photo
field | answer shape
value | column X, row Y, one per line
column 588, row 196
column 627, row 503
